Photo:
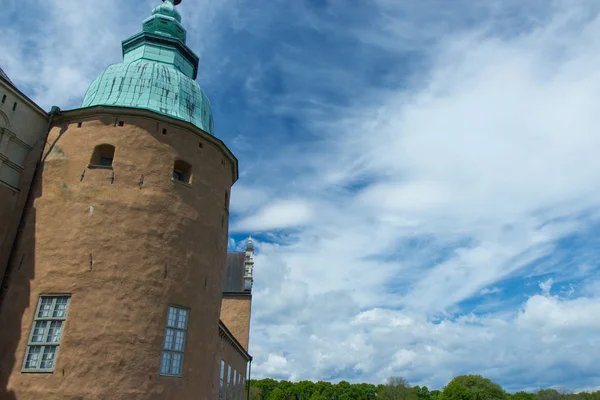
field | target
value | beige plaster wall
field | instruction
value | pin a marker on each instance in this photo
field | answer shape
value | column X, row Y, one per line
column 235, row 314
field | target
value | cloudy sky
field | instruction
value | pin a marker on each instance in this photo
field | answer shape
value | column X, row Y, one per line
column 421, row 176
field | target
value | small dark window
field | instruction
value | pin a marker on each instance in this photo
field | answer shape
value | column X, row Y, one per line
column 106, row 161
column 121, row 123
column 200, row 145
column 164, row 131
column 182, row 172
column 103, row 156
column 79, row 124
column 14, row 106
column 4, row 99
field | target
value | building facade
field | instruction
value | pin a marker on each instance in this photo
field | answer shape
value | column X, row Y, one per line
column 114, row 283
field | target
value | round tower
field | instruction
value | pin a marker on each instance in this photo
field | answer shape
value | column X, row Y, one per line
column 116, row 278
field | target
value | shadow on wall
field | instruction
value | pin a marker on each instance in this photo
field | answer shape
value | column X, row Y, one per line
column 15, row 292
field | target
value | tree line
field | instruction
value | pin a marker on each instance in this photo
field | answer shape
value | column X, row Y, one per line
column 464, row 387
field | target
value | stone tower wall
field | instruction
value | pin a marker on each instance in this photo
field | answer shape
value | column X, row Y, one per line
column 124, row 254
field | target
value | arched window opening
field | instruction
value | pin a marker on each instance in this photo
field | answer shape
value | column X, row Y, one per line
column 182, row 172
column 103, row 156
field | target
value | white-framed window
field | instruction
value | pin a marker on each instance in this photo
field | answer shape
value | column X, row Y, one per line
column 47, row 329
column 174, row 346
column 222, row 380
column 238, row 384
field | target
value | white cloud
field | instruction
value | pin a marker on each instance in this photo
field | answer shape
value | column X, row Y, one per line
column 546, row 286
column 278, row 215
column 247, row 199
column 469, row 176
column 493, row 290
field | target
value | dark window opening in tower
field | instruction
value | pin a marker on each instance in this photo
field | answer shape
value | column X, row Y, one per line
column 182, row 172
column 103, row 156
column 4, row 98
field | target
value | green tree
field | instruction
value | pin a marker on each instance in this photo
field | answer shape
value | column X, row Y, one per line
column 523, row 396
column 456, row 391
column 277, row 394
column 422, row 393
column 472, row 387
column 547, row 394
column 255, row 393
column 396, row 388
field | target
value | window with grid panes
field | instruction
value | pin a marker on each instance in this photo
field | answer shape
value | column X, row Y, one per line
column 46, row 332
column 221, row 380
column 173, row 348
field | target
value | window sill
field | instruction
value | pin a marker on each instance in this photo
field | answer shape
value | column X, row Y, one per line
column 184, row 184
column 36, row 371
column 170, row 376
column 92, row 166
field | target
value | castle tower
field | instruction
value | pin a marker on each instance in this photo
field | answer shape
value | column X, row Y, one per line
column 116, row 278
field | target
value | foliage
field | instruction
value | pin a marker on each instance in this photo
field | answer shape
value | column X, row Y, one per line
column 472, row 387
column 465, row 387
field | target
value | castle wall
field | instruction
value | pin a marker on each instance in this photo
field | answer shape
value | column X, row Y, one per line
column 235, row 313
column 22, row 129
column 124, row 254
column 232, row 357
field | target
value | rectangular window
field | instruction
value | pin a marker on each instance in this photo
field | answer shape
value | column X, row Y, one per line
column 221, row 380
column 48, row 325
column 243, row 396
column 229, row 382
column 235, row 388
column 178, row 176
column 172, row 356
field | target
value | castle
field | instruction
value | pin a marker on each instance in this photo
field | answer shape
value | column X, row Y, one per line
column 116, row 282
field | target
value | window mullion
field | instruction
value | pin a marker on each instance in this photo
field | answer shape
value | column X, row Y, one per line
column 52, row 307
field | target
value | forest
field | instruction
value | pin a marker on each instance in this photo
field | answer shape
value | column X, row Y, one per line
column 465, row 387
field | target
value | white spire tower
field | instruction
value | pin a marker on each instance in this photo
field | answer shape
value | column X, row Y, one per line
column 249, row 264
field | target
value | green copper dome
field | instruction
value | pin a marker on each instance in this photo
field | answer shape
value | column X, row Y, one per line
column 158, row 73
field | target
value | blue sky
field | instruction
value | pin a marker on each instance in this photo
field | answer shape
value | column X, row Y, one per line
column 420, row 175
